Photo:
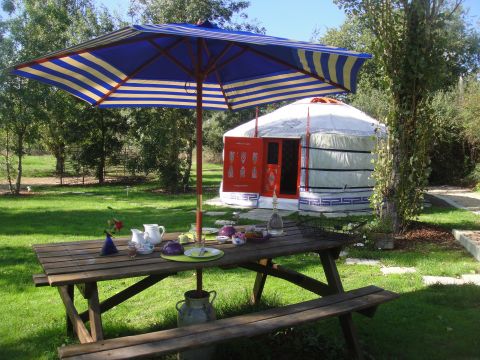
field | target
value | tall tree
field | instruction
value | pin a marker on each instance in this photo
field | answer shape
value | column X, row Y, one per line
column 23, row 38
column 450, row 158
column 97, row 137
column 168, row 135
column 410, row 48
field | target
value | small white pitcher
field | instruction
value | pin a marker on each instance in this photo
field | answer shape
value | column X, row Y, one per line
column 155, row 232
column 138, row 237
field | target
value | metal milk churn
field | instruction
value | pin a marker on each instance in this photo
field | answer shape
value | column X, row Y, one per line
column 196, row 309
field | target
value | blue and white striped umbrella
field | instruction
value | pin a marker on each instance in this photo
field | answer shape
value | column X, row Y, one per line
column 157, row 66
column 198, row 67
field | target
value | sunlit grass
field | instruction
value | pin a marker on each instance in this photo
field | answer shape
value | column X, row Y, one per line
column 425, row 323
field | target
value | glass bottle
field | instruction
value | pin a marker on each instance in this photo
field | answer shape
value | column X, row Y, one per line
column 275, row 224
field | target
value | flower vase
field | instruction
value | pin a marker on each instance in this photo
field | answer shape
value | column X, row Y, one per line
column 108, row 247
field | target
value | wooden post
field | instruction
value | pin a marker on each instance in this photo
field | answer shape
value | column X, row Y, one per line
column 260, row 280
column 256, row 122
column 334, row 281
column 78, row 326
column 71, row 293
column 94, row 311
column 307, row 150
column 199, row 76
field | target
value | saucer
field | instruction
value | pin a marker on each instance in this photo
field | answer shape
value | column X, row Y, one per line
column 145, row 251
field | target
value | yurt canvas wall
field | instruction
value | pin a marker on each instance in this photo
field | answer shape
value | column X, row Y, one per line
column 335, row 143
column 339, row 172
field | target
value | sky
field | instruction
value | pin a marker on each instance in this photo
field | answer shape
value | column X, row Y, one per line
column 295, row 19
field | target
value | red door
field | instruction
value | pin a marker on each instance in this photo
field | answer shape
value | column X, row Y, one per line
column 281, row 167
column 272, row 169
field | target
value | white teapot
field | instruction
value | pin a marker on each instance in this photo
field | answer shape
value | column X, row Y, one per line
column 155, row 232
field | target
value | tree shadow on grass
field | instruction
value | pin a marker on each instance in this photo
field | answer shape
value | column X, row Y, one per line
column 436, row 322
column 42, row 344
column 17, row 265
column 59, row 225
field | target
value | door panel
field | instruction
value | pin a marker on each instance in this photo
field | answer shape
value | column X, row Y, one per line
column 242, row 164
column 289, row 168
column 271, row 177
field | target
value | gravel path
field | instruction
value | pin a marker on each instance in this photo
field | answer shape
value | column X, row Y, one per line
column 462, row 198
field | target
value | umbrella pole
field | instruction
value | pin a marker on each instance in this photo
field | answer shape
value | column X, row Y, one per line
column 199, row 157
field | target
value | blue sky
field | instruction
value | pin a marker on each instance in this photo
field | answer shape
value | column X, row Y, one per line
column 295, row 19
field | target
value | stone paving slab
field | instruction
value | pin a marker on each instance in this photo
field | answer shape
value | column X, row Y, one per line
column 263, row 214
column 442, row 280
column 215, row 213
column 217, row 202
column 355, row 261
column 470, row 241
column 388, row 270
column 471, row 279
column 224, row 222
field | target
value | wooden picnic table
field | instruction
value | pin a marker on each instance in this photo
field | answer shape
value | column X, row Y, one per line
column 79, row 264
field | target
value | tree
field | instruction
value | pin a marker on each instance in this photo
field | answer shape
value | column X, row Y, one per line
column 167, row 135
column 165, row 139
column 410, row 48
column 97, row 139
column 83, row 21
column 470, row 115
column 22, row 100
column 451, row 157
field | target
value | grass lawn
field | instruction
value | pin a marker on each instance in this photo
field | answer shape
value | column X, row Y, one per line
column 36, row 166
column 439, row 322
column 44, row 166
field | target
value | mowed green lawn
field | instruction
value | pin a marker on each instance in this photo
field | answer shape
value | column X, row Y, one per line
column 439, row 322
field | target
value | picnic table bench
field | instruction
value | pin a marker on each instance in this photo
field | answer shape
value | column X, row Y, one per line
column 78, row 265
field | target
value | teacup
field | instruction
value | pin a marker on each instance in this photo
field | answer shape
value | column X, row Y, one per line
column 222, row 239
column 238, row 241
column 183, row 239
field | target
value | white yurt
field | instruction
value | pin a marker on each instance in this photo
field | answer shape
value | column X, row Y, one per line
column 314, row 154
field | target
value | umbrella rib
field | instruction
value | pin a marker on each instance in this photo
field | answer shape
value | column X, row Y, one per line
column 173, row 58
column 233, row 57
column 281, row 62
column 136, row 71
column 190, row 53
column 217, row 75
column 211, row 66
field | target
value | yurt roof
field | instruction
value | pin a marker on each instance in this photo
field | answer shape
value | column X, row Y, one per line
column 326, row 116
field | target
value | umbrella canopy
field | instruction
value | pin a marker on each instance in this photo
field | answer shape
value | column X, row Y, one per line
column 160, row 65
column 195, row 66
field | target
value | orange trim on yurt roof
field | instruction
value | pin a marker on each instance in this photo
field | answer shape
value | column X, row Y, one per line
column 325, row 100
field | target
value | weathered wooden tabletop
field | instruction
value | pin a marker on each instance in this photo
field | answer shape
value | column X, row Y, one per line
column 81, row 262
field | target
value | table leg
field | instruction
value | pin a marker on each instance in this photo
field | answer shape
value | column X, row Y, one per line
column 78, row 326
column 260, row 282
column 334, row 281
column 94, row 312
column 71, row 292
